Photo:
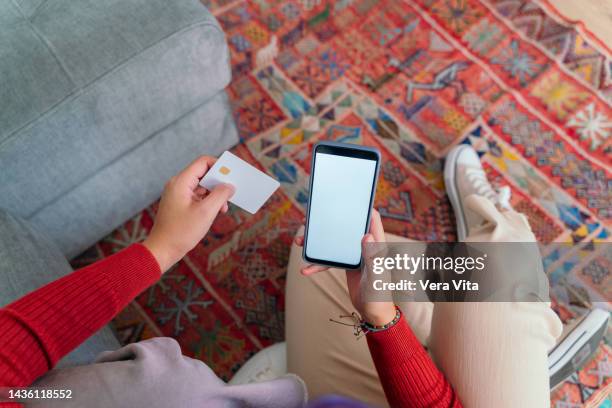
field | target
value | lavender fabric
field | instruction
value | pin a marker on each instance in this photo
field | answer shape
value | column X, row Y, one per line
column 155, row 374
column 337, row 401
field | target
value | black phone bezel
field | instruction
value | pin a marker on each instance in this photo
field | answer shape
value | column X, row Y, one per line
column 346, row 150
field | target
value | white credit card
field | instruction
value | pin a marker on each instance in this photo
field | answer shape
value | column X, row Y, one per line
column 253, row 187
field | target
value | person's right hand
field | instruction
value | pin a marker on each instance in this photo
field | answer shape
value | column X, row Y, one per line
column 376, row 313
column 186, row 212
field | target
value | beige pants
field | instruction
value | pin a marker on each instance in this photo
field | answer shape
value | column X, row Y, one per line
column 494, row 354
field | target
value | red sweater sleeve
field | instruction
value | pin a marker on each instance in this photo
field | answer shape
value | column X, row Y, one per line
column 408, row 375
column 43, row 326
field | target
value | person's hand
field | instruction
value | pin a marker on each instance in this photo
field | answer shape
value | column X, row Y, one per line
column 186, row 212
column 376, row 313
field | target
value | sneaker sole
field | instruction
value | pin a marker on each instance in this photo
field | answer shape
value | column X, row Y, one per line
column 578, row 347
column 450, row 166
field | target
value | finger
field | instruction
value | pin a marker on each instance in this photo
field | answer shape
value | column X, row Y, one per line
column 312, row 269
column 376, row 227
column 366, row 249
column 200, row 192
column 217, row 198
column 372, row 247
column 196, row 170
column 367, row 239
column 299, row 241
column 225, row 208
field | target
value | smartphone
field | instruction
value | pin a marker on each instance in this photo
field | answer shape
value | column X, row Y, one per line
column 342, row 187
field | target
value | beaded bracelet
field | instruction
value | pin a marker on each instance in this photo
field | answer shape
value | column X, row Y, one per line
column 361, row 327
column 370, row 328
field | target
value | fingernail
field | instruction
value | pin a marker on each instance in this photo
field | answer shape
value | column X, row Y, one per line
column 369, row 238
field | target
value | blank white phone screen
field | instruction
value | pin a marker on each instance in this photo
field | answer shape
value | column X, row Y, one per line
column 339, row 204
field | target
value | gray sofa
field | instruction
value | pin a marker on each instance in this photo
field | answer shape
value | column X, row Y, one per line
column 101, row 101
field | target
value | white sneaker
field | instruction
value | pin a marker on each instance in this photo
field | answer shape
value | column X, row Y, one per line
column 463, row 176
column 577, row 345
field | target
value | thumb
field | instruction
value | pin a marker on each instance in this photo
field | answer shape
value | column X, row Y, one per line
column 372, row 248
column 217, row 197
column 368, row 247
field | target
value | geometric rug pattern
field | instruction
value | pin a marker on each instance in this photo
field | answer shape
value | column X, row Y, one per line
column 529, row 90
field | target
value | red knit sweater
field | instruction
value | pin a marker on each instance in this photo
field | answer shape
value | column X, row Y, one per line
column 407, row 373
column 45, row 325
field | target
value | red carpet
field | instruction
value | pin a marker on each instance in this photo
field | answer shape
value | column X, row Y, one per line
column 529, row 91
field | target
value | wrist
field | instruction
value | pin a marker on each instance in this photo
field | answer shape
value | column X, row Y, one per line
column 163, row 254
column 382, row 315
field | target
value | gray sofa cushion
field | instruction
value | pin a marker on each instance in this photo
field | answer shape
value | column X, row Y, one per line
column 83, row 83
column 85, row 214
column 67, row 47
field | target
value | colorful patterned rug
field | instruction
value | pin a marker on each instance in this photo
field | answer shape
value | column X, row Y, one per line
column 529, row 90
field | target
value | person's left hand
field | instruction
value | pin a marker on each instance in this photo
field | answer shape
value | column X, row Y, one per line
column 186, row 212
column 376, row 313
